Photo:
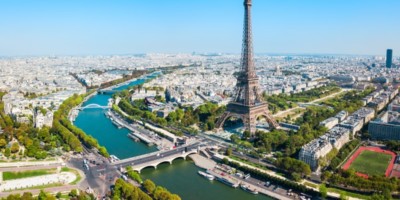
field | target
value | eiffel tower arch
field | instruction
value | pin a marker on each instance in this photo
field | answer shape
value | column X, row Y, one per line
column 247, row 103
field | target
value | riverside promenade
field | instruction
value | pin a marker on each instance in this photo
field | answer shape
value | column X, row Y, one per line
column 212, row 168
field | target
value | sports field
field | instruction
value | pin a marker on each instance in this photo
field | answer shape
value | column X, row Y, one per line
column 371, row 163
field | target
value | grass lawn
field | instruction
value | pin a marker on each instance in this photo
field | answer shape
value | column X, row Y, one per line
column 348, row 194
column 78, row 176
column 311, row 185
column 42, row 187
column 371, row 163
column 27, row 174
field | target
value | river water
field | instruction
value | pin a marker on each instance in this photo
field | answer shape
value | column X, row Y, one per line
column 181, row 177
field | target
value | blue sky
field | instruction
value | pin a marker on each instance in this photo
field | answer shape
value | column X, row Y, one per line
column 75, row 27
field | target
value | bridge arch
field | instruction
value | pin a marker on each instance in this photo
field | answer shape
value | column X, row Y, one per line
column 164, row 161
column 148, row 166
column 170, row 161
column 93, row 105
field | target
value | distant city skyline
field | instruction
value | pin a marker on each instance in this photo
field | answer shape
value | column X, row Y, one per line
column 103, row 27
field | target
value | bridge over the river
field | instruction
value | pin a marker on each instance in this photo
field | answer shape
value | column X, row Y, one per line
column 93, row 105
column 154, row 159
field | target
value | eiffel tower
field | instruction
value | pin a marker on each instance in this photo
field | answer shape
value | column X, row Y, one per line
column 247, row 103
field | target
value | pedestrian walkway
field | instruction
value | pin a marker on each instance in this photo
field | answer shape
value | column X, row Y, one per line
column 202, row 162
column 31, row 163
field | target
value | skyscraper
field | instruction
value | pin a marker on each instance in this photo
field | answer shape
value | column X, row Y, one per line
column 389, row 54
column 247, row 103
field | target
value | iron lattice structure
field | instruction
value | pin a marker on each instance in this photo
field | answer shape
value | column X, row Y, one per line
column 247, row 103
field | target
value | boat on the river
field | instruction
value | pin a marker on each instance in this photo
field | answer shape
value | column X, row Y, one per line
column 113, row 158
column 248, row 189
column 228, row 182
column 206, row 175
column 116, row 123
column 133, row 137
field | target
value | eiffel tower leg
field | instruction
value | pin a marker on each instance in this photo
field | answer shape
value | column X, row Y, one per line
column 271, row 121
column 253, row 122
column 221, row 120
column 248, row 123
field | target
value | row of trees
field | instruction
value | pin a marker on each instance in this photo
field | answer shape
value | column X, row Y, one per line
column 296, row 167
column 134, row 175
column 71, row 141
column 124, row 190
column 47, row 196
column 72, row 135
column 343, row 153
column 349, row 179
column 158, row 192
column 393, row 145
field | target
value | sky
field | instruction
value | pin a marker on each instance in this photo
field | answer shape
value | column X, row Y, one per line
column 103, row 27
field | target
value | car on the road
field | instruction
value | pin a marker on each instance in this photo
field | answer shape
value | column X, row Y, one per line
column 239, row 175
column 246, row 176
column 267, row 184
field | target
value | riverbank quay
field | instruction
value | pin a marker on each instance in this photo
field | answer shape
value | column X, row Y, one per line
column 220, row 174
column 271, row 173
column 144, row 135
column 202, row 162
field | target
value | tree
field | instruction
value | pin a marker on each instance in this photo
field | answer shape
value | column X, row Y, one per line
column 377, row 197
column 293, row 165
column 295, row 176
column 14, row 197
column 73, row 193
column 149, row 186
column 326, row 175
column 103, row 152
column 228, row 151
column 7, row 152
column 14, row 147
column 387, row 194
column 42, row 195
column 27, row 196
column 246, row 134
column 343, row 196
column 3, row 143
column 44, row 134
column 58, row 195
column 323, row 190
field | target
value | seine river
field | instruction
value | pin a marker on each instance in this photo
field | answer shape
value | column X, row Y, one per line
column 181, row 177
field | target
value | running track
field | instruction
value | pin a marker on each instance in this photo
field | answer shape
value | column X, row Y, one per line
column 375, row 149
